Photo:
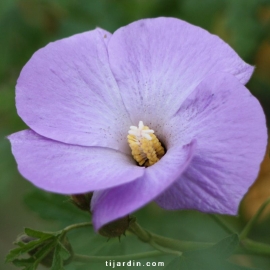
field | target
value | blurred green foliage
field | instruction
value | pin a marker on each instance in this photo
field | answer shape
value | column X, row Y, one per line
column 27, row 25
column 58, row 208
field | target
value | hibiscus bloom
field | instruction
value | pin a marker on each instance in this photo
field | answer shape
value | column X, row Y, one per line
column 196, row 136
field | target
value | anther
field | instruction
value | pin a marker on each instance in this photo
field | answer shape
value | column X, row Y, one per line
column 145, row 146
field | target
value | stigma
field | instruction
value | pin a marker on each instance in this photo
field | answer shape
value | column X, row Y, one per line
column 146, row 149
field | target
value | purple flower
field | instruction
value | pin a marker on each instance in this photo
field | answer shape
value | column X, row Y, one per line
column 81, row 94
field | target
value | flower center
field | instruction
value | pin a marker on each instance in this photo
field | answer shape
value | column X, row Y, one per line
column 145, row 146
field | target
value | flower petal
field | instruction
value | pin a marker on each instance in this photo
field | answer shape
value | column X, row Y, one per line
column 70, row 169
column 110, row 204
column 229, row 126
column 67, row 92
column 158, row 62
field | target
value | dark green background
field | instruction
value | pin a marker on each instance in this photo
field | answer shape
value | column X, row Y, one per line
column 28, row 25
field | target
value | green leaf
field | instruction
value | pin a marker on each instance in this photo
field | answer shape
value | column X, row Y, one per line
column 30, row 267
column 39, row 249
column 221, row 250
column 24, row 248
column 210, row 258
column 40, row 234
column 65, row 254
column 44, row 251
column 58, row 208
column 57, row 259
column 225, row 247
column 60, row 255
column 42, row 237
column 182, row 263
column 23, row 262
column 48, row 248
column 175, row 264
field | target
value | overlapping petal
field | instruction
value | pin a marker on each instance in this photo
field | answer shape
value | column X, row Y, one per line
column 158, row 62
column 229, row 125
column 67, row 92
column 110, row 204
column 70, row 169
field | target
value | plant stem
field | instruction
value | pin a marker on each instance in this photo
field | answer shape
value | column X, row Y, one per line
column 163, row 243
column 146, row 237
column 76, row 226
column 253, row 247
column 179, row 245
column 88, row 259
column 223, row 224
column 253, row 221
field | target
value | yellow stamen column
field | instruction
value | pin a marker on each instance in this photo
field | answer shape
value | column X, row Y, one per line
column 145, row 146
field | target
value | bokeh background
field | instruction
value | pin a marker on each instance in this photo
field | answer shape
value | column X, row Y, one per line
column 27, row 25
